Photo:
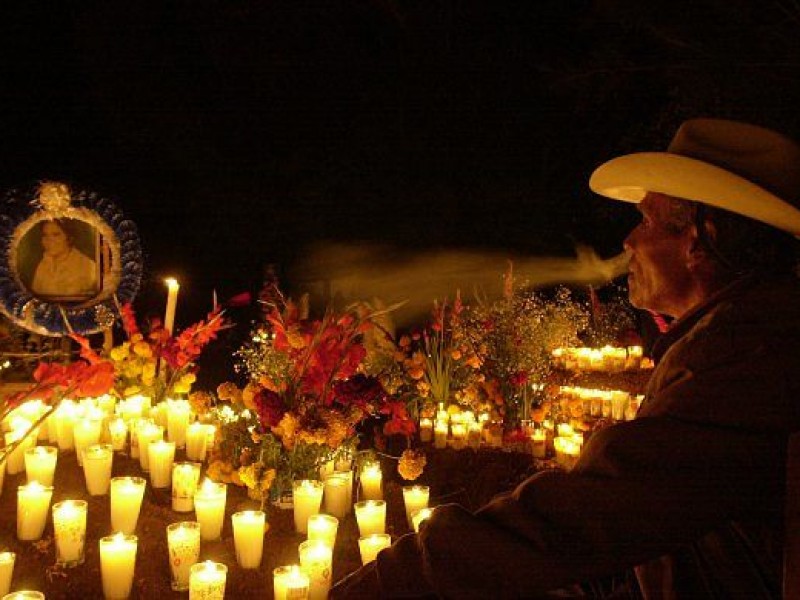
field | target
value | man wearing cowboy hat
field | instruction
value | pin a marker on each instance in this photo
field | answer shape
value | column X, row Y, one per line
column 689, row 495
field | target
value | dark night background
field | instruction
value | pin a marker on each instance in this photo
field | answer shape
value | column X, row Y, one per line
column 236, row 132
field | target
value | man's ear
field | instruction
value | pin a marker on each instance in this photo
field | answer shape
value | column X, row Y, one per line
column 697, row 253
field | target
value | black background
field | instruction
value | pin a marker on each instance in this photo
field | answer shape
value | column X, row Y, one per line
column 235, row 133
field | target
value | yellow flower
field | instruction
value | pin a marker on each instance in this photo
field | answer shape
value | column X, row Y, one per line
column 412, row 464
column 131, row 390
column 257, row 489
column 142, row 349
column 119, row 353
column 286, row 430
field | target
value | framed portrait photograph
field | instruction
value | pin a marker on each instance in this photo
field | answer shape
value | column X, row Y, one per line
column 61, row 260
column 69, row 261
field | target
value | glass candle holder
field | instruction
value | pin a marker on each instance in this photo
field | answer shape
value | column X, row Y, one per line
column 97, row 463
column 162, row 455
column 40, row 464
column 415, row 497
column 248, row 537
column 207, row 581
column 324, row 528
column 7, row 560
column 24, row 595
column 126, row 501
column 69, row 524
column 371, row 517
column 419, row 516
column 316, row 561
column 183, row 540
column 33, row 502
column 307, row 495
column 117, row 565
column 370, row 546
column 209, row 506
column 290, row 583
column 185, row 477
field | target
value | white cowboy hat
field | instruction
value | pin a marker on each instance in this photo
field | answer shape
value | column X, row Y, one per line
column 739, row 167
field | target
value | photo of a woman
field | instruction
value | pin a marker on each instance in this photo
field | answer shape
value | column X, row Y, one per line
column 64, row 270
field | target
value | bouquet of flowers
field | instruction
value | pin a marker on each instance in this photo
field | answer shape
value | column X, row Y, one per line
column 155, row 363
column 306, row 395
column 515, row 336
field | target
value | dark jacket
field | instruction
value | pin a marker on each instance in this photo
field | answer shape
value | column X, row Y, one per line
column 691, row 491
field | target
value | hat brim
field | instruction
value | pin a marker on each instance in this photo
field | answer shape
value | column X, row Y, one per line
column 630, row 177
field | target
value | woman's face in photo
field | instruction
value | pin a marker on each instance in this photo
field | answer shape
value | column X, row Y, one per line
column 54, row 239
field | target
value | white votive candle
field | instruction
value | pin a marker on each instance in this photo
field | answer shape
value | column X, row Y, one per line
column 248, row 537
column 425, row 429
column 415, row 497
column 15, row 459
column 97, row 463
column 185, row 477
column 183, row 540
column 209, row 506
column 69, row 524
column 371, row 478
column 162, row 455
column 146, row 433
column 207, row 581
column 118, row 431
column 440, row 434
column 290, row 583
column 65, row 415
column 196, row 442
column 24, row 595
column 419, row 516
column 117, row 565
column 538, row 442
column 324, row 528
column 316, row 561
column 6, row 571
column 179, row 413
column 87, row 433
column 371, row 517
column 40, row 464
column 307, row 500
column 335, row 500
column 126, row 501
column 370, row 546
column 33, row 502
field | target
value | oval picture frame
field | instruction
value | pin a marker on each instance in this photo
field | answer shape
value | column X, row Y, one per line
column 69, row 261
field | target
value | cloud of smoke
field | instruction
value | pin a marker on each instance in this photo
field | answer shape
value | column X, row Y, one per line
column 364, row 272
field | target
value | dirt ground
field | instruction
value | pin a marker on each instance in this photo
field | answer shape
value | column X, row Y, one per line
column 468, row 477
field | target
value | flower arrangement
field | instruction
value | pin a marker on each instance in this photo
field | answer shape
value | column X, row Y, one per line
column 441, row 364
column 155, row 363
column 306, row 395
column 132, row 367
column 516, row 335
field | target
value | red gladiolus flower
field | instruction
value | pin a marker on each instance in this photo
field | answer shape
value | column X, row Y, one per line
column 269, row 408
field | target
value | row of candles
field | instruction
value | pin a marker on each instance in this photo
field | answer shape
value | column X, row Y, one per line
column 606, row 359
column 460, row 430
column 614, row 404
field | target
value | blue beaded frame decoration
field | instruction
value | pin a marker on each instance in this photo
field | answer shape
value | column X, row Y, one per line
column 122, row 260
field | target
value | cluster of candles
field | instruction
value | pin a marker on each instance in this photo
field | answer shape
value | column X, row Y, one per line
column 614, row 404
column 460, row 430
column 320, row 505
column 94, row 428
column 607, row 359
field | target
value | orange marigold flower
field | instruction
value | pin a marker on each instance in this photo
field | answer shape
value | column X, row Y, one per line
column 455, row 354
column 411, row 465
column 229, row 392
